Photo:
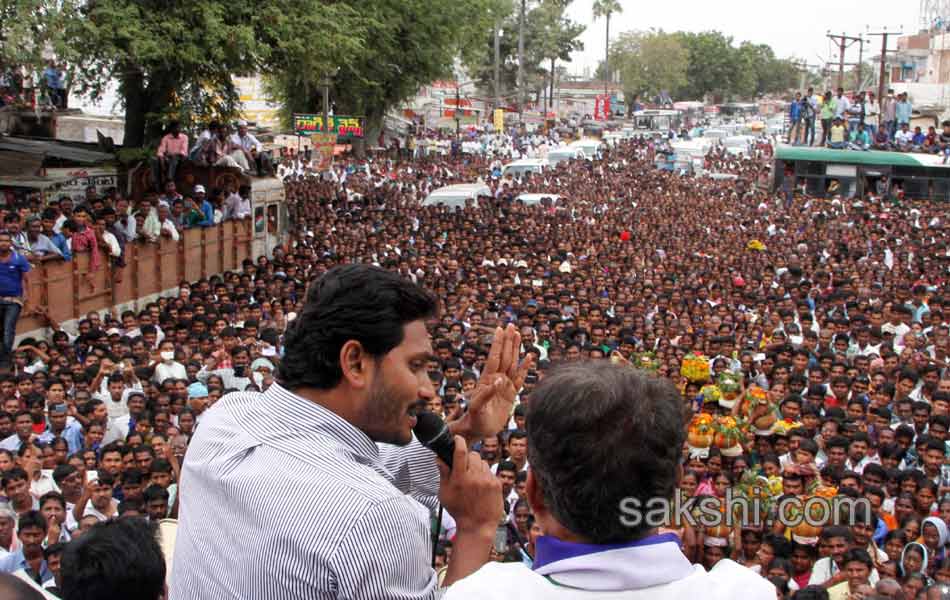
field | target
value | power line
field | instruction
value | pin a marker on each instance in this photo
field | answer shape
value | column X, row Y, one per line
column 884, row 51
column 844, row 42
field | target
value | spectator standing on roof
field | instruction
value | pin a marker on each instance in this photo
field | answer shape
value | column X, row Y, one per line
column 903, row 110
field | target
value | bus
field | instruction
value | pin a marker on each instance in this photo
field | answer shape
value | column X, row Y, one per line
column 854, row 173
column 736, row 110
column 657, row 120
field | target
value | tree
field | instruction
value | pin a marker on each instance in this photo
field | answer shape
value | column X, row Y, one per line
column 29, row 29
column 550, row 37
column 605, row 8
column 557, row 37
column 650, row 62
column 711, row 64
column 694, row 65
column 408, row 44
column 175, row 58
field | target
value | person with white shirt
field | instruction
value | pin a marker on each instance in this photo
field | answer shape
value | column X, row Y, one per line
column 253, row 149
column 237, row 377
column 168, row 367
column 829, row 571
column 604, row 551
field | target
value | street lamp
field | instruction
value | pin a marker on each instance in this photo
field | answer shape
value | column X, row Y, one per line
column 326, row 83
column 458, row 114
column 458, row 108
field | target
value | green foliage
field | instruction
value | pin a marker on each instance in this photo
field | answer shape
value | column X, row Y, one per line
column 691, row 66
column 649, row 62
column 408, row 43
column 605, row 8
column 549, row 35
column 175, row 58
column 29, row 29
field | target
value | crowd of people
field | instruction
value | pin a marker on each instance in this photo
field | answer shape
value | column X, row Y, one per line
column 833, row 314
column 861, row 122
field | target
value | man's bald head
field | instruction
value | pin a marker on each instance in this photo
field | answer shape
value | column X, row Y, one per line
column 14, row 588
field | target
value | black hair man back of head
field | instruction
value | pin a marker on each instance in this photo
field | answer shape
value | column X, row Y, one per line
column 115, row 559
column 600, row 434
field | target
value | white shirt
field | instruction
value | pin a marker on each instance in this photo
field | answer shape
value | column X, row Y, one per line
column 825, row 569
column 247, row 142
column 92, row 510
column 44, row 484
column 165, row 371
column 859, row 467
column 504, row 581
column 354, row 535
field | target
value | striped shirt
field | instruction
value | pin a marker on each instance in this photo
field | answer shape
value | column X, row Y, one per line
column 282, row 500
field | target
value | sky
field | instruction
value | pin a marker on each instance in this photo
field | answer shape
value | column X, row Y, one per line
column 793, row 29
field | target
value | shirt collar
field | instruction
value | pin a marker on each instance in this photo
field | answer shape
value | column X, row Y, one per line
column 293, row 423
column 652, row 561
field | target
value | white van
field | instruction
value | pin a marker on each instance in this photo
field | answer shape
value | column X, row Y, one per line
column 564, row 154
column 737, row 144
column 590, row 146
column 457, row 196
column 526, row 165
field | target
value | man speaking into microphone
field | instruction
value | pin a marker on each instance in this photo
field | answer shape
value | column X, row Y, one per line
column 286, row 495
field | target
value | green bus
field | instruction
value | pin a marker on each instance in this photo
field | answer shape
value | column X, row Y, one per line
column 824, row 172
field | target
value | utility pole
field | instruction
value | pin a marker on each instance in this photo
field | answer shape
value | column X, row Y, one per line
column 881, row 76
column 860, row 64
column 497, row 63
column 458, row 111
column 607, row 61
column 326, row 104
column 521, row 99
column 803, row 66
column 843, row 42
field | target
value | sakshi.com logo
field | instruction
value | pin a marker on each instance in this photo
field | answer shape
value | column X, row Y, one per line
column 794, row 512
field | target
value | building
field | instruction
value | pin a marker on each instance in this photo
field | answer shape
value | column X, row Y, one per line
column 580, row 96
column 909, row 63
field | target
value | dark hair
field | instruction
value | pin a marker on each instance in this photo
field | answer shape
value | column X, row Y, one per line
column 599, row 434
column 112, row 558
column 836, row 531
column 507, row 465
column 811, row 592
column 55, row 496
column 351, row 302
column 155, row 492
column 61, row 472
column 31, row 518
column 858, row 555
column 14, row 474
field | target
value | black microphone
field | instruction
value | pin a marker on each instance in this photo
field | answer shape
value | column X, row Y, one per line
column 434, row 434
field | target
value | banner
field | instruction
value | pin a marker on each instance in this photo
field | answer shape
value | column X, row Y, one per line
column 348, row 127
column 323, row 146
column 499, row 119
column 73, row 181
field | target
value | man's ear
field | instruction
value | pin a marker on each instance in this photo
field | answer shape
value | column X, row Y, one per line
column 355, row 363
column 534, row 492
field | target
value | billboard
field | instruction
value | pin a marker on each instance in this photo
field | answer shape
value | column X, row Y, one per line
column 347, row 127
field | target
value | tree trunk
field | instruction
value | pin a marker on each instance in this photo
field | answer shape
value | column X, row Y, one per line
column 132, row 89
column 607, row 57
column 497, row 64
column 551, row 93
column 521, row 86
